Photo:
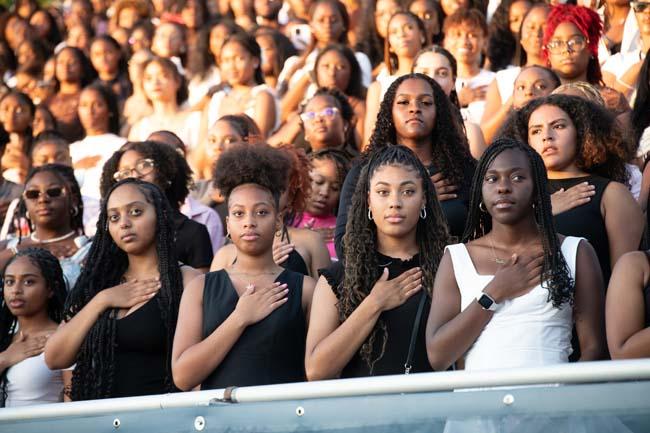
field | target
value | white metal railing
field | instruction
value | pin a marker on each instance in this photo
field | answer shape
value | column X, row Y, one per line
column 588, row 372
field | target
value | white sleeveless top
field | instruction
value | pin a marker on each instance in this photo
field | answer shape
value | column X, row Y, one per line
column 526, row 331
column 31, row 382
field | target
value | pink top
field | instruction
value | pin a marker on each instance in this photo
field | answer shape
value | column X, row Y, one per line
column 322, row 224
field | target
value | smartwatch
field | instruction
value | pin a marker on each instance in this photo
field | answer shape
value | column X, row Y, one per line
column 487, row 302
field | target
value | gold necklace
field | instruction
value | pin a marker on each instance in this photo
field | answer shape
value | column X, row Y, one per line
column 494, row 254
column 250, row 285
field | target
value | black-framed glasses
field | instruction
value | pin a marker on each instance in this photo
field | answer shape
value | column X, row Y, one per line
column 327, row 112
column 576, row 43
column 640, row 7
column 34, row 194
column 142, row 168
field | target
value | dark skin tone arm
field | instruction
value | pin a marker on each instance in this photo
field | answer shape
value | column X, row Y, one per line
column 451, row 332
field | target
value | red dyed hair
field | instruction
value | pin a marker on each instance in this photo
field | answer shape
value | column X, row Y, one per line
column 585, row 19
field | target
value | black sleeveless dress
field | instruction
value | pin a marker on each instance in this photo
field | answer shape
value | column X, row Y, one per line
column 586, row 221
column 268, row 352
column 141, row 353
column 399, row 324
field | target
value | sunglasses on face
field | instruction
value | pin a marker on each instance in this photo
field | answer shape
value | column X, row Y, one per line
column 640, row 7
column 310, row 116
column 34, row 194
column 142, row 168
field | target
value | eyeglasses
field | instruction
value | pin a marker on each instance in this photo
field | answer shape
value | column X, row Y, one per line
column 328, row 112
column 576, row 43
column 640, row 7
column 54, row 192
column 142, row 168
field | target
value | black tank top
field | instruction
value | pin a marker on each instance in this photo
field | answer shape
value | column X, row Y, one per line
column 399, row 324
column 268, row 352
column 586, row 221
column 141, row 353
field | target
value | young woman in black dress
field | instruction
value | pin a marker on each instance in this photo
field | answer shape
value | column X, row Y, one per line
column 416, row 113
column 370, row 309
column 121, row 315
column 245, row 324
column 581, row 142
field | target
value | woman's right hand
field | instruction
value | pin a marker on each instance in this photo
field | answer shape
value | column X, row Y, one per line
column 516, row 277
column 389, row 294
column 131, row 293
column 24, row 347
column 281, row 252
column 255, row 304
column 564, row 200
column 444, row 189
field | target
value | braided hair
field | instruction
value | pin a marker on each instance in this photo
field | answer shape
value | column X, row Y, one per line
column 360, row 260
column 556, row 277
column 450, row 147
column 69, row 181
column 53, row 276
column 105, row 267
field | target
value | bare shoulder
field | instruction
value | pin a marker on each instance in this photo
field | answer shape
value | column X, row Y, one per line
column 634, row 261
column 189, row 274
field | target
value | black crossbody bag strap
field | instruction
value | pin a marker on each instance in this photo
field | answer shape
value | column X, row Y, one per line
column 414, row 333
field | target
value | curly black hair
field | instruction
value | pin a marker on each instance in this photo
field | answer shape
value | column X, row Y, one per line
column 173, row 173
column 69, row 181
column 261, row 165
column 556, row 277
column 105, row 267
column 450, row 147
column 602, row 146
column 360, row 258
column 53, row 276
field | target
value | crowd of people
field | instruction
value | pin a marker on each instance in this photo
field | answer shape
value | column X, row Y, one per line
column 203, row 194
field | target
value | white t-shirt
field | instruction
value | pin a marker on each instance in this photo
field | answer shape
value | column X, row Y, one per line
column 30, row 382
column 186, row 128
column 97, row 145
column 620, row 63
column 505, row 79
column 474, row 111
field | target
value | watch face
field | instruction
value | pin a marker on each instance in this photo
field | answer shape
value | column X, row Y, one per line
column 485, row 301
